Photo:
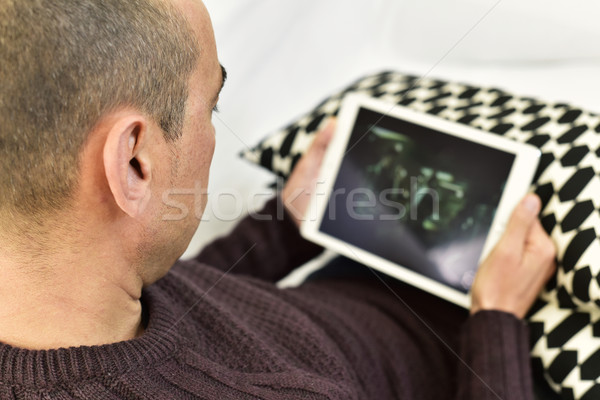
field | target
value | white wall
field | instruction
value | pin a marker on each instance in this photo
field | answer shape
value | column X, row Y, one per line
column 283, row 56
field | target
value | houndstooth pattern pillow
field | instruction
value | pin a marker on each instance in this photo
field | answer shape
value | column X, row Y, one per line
column 565, row 321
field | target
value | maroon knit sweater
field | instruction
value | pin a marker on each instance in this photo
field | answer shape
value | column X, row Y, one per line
column 218, row 328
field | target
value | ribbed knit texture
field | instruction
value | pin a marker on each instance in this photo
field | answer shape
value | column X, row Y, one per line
column 218, row 328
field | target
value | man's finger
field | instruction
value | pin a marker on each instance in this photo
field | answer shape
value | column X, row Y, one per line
column 324, row 136
column 520, row 223
column 540, row 250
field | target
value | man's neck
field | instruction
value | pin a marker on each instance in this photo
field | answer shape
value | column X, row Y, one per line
column 62, row 301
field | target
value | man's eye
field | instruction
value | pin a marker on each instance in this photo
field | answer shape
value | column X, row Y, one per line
column 216, row 108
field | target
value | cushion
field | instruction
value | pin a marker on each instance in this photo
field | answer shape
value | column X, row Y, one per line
column 565, row 321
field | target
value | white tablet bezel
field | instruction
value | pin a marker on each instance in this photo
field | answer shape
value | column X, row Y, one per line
column 517, row 185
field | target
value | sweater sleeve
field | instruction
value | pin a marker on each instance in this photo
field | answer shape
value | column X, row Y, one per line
column 267, row 245
column 494, row 354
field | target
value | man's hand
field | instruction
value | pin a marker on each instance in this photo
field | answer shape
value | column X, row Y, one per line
column 303, row 181
column 518, row 267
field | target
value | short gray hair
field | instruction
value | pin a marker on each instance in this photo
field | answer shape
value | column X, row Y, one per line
column 66, row 63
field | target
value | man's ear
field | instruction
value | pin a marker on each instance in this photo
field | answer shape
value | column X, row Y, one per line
column 127, row 163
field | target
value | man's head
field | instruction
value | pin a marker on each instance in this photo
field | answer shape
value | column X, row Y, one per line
column 103, row 106
column 67, row 63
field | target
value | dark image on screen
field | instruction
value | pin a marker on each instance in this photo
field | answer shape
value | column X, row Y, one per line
column 417, row 197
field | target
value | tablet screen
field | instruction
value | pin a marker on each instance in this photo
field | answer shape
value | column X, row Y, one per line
column 417, row 197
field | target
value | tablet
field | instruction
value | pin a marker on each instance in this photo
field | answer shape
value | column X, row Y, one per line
column 415, row 196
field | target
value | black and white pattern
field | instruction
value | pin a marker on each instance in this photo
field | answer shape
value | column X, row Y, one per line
column 565, row 321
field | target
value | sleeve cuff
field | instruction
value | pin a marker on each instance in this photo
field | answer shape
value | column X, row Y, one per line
column 296, row 249
column 495, row 352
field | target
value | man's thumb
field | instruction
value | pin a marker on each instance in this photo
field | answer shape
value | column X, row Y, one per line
column 522, row 220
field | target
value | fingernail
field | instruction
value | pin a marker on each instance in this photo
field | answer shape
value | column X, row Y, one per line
column 532, row 204
column 330, row 123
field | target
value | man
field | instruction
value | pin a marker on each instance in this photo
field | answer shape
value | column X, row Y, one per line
column 104, row 107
